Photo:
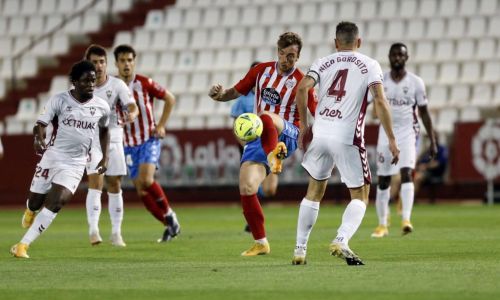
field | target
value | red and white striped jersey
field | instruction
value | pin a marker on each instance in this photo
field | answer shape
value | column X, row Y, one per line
column 274, row 92
column 144, row 90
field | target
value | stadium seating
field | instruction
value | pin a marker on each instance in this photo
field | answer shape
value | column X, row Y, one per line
column 453, row 44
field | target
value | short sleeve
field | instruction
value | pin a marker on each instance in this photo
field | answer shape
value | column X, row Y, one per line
column 375, row 74
column 420, row 93
column 245, row 85
column 124, row 94
column 52, row 108
column 155, row 89
column 104, row 120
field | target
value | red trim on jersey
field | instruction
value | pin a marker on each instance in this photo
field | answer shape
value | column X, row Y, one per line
column 358, row 139
column 367, row 175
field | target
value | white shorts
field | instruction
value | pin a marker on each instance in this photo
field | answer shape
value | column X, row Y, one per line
column 116, row 161
column 407, row 157
column 43, row 179
column 324, row 154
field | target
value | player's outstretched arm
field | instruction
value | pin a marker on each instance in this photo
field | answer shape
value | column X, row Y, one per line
column 132, row 112
column 426, row 119
column 39, row 135
column 169, row 99
column 218, row 93
column 104, row 141
column 384, row 114
column 301, row 100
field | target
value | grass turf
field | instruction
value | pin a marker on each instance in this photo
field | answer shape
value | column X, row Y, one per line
column 453, row 254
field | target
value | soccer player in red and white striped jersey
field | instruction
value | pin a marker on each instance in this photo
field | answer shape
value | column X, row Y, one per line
column 275, row 86
column 142, row 140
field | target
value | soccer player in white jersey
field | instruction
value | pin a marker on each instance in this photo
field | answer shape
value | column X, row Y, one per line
column 275, row 84
column 76, row 116
column 119, row 98
column 405, row 92
column 344, row 79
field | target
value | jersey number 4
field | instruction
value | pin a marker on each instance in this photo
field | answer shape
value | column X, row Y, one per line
column 337, row 89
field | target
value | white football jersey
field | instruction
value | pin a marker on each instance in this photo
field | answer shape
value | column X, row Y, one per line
column 74, row 129
column 404, row 97
column 118, row 96
column 344, row 79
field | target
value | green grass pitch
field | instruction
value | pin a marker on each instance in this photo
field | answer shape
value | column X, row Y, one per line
column 454, row 253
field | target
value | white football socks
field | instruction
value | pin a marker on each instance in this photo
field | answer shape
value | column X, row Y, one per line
column 93, row 204
column 308, row 214
column 382, row 205
column 40, row 224
column 351, row 219
column 407, row 197
column 115, row 207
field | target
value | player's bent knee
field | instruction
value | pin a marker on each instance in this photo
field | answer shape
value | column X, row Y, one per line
column 384, row 182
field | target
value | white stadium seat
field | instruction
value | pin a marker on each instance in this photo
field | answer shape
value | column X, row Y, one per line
column 470, row 114
column 160, row 40
column 438, row 96
column 27, row 110
column 435, row 29
column 308, row 13
column 459, row 95
column 29, row 7
column 174, row 17
column 488, row 7
column 446, row 120
column 468, row 8
column 482, row 95
column 367, row 9
column 448, row 73
column 154, row 19
column 211, row 18
column 388, row 9
column 447, row 8
column 230, row 16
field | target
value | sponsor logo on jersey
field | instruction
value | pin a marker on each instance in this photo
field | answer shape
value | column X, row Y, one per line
column 79, row 124
column 290, row 83
column 270, row 96
column 332, row 113
column 398, row 102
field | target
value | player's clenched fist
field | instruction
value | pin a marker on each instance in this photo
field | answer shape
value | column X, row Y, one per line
column 216, row 92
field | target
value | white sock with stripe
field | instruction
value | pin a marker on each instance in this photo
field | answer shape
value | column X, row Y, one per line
column 40, row 224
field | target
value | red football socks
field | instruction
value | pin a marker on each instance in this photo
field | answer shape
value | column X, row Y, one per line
column 269, row 137
column 153, row 208
column 156, row 192
column 254, row 215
